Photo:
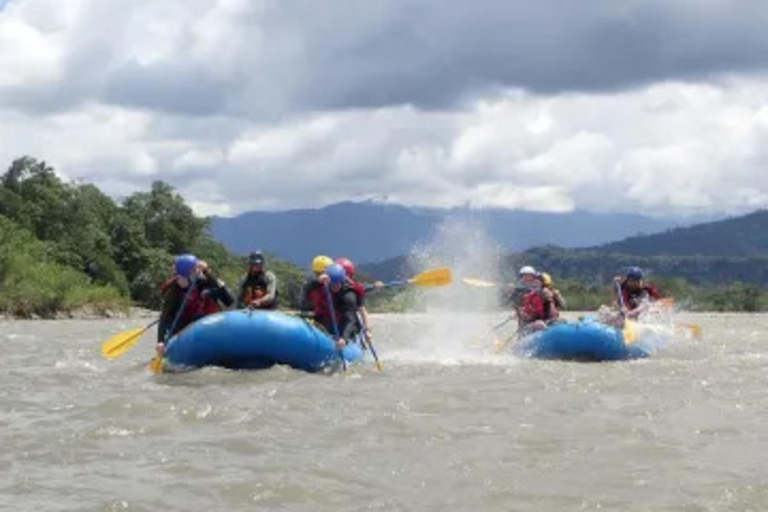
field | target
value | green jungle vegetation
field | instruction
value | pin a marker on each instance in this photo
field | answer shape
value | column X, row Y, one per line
column 697, row 282
column 68, row 246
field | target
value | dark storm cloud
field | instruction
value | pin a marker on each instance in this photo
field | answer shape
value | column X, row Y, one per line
column 166, row 87
column 297, row 55
column 432, row 52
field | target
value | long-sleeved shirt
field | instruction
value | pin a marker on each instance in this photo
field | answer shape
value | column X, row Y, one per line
column 206, row 297
column 261, row 286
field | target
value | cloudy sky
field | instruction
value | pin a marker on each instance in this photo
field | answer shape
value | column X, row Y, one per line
column 652, row 106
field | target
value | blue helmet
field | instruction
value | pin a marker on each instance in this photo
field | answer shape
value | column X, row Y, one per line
column 337, row 273
column 635, row 273
column 185, row 264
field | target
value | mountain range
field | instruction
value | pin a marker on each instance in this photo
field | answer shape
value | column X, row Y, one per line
column 374, row 232
column 712, row 253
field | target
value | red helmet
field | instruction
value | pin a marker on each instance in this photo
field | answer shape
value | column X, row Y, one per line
column 347, row 265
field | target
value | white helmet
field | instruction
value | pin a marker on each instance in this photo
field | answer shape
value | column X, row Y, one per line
column 527, row 270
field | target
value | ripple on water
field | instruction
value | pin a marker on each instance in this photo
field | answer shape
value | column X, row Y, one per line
column 448, row 424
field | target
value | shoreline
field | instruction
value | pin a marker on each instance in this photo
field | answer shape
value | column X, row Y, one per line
column 134, row 312
column 87, row 313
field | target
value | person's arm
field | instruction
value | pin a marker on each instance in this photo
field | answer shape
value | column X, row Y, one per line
column 348, row 312
column 218, row 289
column 271, row 295
column 559, row 299
column 618, row 287
column 170, row 307
column 653, row 292
column 548, row 300
column 305, row 304
column 363, row 317
column 240, row 302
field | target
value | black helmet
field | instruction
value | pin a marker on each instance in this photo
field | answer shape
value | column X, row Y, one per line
column 256, row 258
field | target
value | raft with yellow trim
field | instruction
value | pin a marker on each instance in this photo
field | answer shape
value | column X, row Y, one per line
column 586, row 340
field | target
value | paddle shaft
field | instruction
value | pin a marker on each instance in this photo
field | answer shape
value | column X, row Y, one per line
column 434, row 277
column 334, row 324
column 371, row 287
column 368, row 342
column 502, row 324
column 620, row 298
column 156, row 364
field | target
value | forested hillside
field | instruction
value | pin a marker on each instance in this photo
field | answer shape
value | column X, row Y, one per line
column 64, row 245
column 745, row 236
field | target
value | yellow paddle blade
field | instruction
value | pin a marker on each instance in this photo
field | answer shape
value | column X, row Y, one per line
column 121, row 343
column 471, row 281
column 436, row 277
column 629, row 332
column 156, row 365
column 693, row 329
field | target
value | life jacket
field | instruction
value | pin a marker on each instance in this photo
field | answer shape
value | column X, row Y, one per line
column 323, row 311
column 358, row 289
column 255, row 287
column 535, row 305
column 634, row 298
column 313, row 296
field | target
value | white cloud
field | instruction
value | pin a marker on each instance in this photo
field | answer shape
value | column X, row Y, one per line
column 671, row 147
column 28, row 52
column 258, row 104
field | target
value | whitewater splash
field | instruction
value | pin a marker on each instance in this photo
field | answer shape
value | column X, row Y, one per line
column 457, row 324
column 458, row 317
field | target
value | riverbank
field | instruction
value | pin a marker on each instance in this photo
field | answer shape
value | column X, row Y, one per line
column 88, row 313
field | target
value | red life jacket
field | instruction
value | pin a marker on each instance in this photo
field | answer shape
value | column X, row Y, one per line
column 534, row 306
column 322, row 311
column 358, row 289
column 633, row 298
column 314, row 295
column 199, row 304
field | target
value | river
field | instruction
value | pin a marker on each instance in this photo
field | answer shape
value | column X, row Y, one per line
column 448, row 425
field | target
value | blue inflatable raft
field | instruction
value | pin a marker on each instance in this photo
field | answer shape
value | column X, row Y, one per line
column 255, row 340
column 585, row 340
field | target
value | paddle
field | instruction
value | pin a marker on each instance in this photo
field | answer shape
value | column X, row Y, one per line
column 121, row 343
column 430, row 278
column 335, row 325
column 694, row 329
column 498, row 346
column 668, row 302
column 620, row 298
column 471, row 281
column 367, row 341
column 495, row 328
column 156, row 364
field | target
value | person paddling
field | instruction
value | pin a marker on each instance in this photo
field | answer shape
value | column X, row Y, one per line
column 345, row 305
column 258, row 288
column 636, row 294
column 208, row 295
column 557, row 297
column 349, row 269
column 312, row 290
column 533, row 304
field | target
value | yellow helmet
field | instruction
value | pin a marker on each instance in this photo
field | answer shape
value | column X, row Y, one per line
column 546, row 279
column 320, row 263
